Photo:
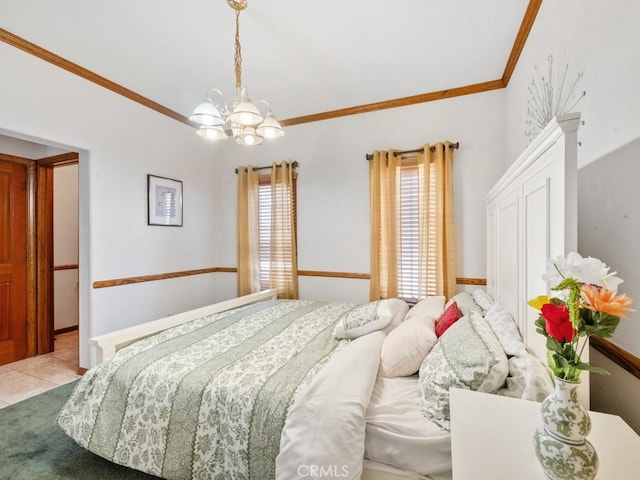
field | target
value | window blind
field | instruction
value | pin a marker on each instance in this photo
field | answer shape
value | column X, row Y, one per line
column 416, row 272
column 264, row 233
column 275, row 202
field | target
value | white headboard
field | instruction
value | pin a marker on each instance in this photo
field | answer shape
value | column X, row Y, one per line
column 532, row 215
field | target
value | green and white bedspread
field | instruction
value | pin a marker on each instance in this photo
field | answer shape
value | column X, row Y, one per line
column 207, row 399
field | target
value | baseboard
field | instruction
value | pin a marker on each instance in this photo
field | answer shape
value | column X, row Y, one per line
column 65, row 330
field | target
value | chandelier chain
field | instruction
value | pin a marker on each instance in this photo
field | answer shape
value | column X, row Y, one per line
column 238, row 54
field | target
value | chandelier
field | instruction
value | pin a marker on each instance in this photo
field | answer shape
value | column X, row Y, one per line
column 247, row 124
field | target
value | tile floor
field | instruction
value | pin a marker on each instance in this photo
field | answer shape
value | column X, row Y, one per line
column 35, row 375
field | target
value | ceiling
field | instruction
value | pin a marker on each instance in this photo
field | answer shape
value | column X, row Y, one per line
column 303, row 57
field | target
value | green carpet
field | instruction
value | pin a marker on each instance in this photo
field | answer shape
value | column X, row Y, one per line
column 33, row 447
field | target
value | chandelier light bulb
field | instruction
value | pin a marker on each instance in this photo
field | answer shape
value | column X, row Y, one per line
column 212, row 132
column 207, row 114
column 250, row 138
column 246, row 114
column 270, row 127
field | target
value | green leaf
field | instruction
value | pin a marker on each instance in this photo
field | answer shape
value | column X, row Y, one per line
column 592, row 369
column 554, row 345
column 590, row 330
column 573, row 377
column 555, row 367
column 587, row 317
column 568, row 352
column 541, row 327
column 560, row 360
column 605, row 324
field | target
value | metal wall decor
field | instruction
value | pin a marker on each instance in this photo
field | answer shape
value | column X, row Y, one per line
column 551, row 95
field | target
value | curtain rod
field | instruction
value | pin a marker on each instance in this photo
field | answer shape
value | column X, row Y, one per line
column 452, row 146
column 293, row 165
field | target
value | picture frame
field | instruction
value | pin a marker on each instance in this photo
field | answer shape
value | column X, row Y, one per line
column 164, row 201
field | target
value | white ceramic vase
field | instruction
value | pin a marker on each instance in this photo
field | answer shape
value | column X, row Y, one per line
column 561, row 444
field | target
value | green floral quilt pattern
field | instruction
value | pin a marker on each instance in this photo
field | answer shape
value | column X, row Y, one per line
column 207, row 399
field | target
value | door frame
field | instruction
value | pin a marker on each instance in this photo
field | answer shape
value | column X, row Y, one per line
column 44, row 247
column 40, row 334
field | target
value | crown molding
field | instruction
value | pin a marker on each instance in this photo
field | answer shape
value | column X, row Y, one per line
column 396, row 102
column 528, row 19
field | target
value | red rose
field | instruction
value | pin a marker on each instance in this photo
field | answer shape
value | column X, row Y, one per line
column 557, row 323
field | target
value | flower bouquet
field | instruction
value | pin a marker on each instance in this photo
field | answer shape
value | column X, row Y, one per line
column 586, row 305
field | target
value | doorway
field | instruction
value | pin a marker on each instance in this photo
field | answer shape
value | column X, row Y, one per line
column 65, row 252
column 27, row 266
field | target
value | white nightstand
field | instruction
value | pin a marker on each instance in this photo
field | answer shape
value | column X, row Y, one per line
column 491, row 438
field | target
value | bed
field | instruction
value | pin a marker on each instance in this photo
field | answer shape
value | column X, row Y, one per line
column 258, row 388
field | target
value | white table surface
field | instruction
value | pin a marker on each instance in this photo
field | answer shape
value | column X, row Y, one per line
column 492, row 438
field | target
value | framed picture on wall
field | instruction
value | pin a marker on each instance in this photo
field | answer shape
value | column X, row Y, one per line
column 164, row 201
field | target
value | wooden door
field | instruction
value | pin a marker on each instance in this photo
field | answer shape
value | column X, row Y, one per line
column 13, row 262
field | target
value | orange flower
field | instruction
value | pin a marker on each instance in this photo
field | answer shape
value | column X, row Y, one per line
column 606, row 301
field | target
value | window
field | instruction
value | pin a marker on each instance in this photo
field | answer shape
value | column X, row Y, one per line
column 416, row 277
column 412, row 229
column 276, row 235
column 267, row 230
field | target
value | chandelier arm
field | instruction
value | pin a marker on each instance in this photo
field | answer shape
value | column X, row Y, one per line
column 265, row 102
column 214, row 90
column 238, row 53
column 219, row 102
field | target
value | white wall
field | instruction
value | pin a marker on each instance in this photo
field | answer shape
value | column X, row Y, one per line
column 119, row 143
column 21, row 148
column 602, row 40
column 609, row 225
column 65, row 246
column 617, row 393
column 333, row 183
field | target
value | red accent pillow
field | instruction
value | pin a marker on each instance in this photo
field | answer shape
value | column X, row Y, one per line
column 448, row 318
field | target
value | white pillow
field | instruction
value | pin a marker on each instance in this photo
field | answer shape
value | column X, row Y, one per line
column 505, row 329
column 528, row 378
column 469, row 356
column 427, row 308
column 369, row 317
column 406, row 346
column 400, row 309
column 483, row 299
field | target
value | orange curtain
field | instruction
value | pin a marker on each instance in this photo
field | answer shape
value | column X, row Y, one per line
column 383, row 193
column 248, row 238
column 438, row 170
column 283, row 247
